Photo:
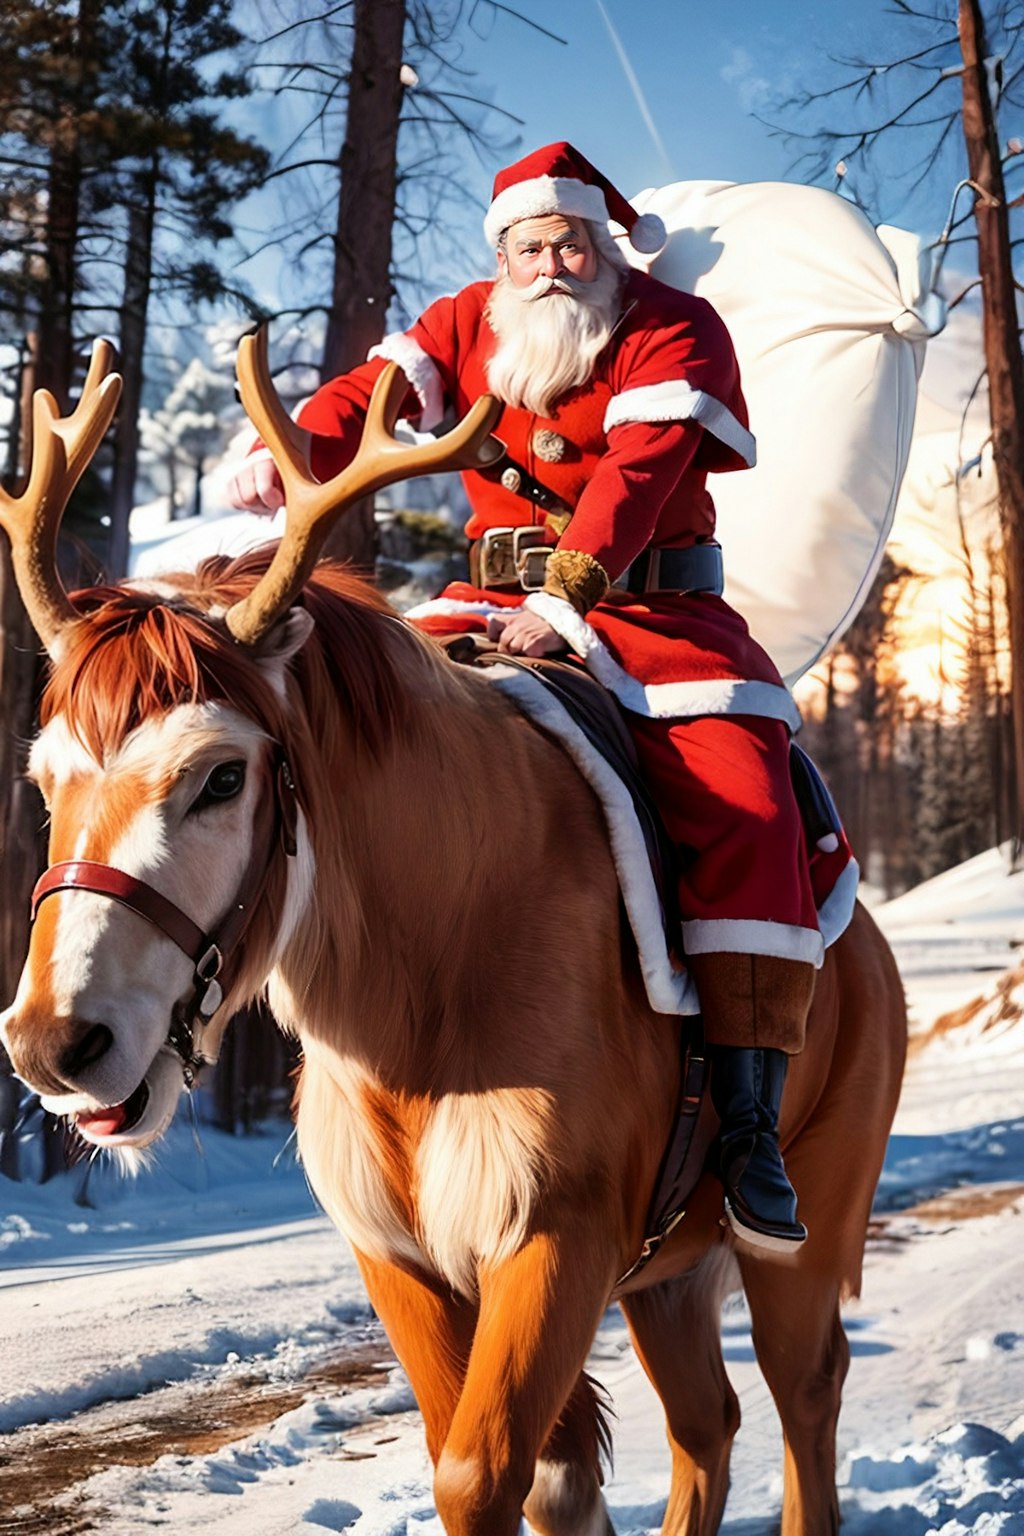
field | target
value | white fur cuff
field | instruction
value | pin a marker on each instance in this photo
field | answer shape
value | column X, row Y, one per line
column 421, row 371
column 751, row 936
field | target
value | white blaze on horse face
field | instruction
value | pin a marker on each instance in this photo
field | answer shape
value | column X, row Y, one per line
column 92, row 959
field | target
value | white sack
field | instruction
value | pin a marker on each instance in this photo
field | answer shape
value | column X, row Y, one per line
column 830, row 330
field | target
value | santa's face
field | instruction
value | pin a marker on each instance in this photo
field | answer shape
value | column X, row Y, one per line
column 551, row 246
column 552, row 309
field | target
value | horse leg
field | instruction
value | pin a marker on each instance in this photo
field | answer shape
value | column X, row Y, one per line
column 431, row 1333
column 676, row 1331
column 803, row 1354
column 539, row 1311
column 566, row 1497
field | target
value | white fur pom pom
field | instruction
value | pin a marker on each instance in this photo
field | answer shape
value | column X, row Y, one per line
column 648, row 234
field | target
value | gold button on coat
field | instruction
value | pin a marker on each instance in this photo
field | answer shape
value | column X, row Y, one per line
column 548, row 445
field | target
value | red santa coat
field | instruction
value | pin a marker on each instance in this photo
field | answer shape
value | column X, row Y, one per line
column 663, row 408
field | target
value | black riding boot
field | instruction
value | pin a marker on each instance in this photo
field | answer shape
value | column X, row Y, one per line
column 746, row 1090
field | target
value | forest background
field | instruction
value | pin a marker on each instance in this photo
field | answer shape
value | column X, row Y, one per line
column 173, row 171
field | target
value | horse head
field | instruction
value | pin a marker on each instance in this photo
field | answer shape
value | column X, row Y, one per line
column 179, row 846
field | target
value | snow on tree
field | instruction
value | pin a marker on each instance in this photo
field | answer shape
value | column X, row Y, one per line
column 188, row 430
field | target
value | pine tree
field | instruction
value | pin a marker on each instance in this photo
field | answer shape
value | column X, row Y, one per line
column 49, row 72
column 386, row 105
column 188, row 428
column 175, row 172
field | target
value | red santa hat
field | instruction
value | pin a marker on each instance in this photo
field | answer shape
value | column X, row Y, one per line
column 558, row 179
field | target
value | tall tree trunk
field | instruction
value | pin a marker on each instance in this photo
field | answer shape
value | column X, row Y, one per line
column 64, row 192
column 21, row 811
column 134, row 309
column 361, row 290
column 19, row 434
column 174, row 511
column 1003, row 360
column 56, row 306
column 51, row 367
column 20, row 807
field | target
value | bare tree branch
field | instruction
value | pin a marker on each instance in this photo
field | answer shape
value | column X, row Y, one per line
column 306, row 21
column 511, row 11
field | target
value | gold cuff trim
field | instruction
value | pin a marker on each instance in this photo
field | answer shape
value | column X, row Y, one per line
column 576, row 577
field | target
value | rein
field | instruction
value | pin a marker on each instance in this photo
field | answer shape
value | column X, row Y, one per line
column 213, row 955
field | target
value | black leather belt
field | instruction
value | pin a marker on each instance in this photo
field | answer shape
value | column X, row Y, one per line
column 507, row 558
column 695, row 569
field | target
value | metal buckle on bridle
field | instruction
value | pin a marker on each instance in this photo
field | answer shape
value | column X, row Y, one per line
column 207, row 969
column 181, row 1039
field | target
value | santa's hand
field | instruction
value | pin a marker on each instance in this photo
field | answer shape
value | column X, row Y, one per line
column 256, row 485
column 524, row 634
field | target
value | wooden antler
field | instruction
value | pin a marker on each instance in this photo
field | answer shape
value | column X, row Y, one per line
column 61, row 449
column 314, row 508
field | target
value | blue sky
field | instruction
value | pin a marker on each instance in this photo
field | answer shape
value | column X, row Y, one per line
column 702, row 70
column 671, row 96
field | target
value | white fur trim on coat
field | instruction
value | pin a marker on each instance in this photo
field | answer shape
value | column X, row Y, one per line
column 451, row 605
column 540, row 195
column 421, row 371
column 675, row 400
column 836, row 910
column 750, row 936
column 683, row 700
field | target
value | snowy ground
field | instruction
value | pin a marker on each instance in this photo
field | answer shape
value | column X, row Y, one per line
column 195, row 1351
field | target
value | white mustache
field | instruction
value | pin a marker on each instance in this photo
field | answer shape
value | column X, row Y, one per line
column 543, row 285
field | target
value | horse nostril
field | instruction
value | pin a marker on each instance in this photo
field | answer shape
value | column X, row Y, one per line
column 94, row 1043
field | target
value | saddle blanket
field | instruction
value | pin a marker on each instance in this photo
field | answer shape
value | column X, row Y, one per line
column 670, row 989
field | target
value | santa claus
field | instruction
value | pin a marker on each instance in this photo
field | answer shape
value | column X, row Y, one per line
column 595, row 533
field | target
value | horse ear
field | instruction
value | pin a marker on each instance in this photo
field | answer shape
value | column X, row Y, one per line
column 284, row 639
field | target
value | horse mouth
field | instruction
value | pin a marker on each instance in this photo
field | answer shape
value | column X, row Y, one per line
column 144, row 1115
column 100, row 1125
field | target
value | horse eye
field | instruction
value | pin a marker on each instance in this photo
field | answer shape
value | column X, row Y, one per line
column 223, row 783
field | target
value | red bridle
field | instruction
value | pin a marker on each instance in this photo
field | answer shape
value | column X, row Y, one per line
column 211, row 954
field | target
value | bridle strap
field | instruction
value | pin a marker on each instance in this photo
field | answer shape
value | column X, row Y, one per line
column 104, row 880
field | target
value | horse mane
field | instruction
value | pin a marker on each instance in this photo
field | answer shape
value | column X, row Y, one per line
column 138, row 651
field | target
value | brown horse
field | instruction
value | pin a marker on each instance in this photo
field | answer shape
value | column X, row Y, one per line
column 246, row 794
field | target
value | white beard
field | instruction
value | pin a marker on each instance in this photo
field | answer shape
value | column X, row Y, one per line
column 549, row 345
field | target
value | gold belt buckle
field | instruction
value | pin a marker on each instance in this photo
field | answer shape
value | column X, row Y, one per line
column 511, row 556
column 497, row 558
column 531, row 551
